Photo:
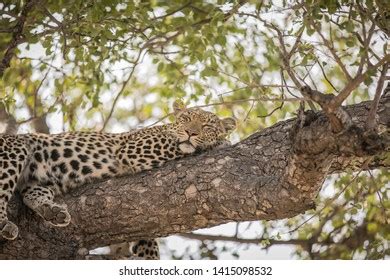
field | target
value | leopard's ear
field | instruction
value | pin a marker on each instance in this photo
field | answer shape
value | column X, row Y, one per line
column 178, row 106
column 229, row 124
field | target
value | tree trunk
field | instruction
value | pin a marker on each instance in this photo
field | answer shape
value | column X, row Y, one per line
column 275, row 173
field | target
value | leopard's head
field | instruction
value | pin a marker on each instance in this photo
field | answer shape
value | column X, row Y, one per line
column 197, row 129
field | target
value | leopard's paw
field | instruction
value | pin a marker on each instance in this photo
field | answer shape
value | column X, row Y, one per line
column 8, row 230
column 56, row 215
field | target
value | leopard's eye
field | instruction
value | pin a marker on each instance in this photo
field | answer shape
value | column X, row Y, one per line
column 208, row 128
column 185, row 118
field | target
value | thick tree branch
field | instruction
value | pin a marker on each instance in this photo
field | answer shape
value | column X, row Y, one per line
column 337, row 117
column 275, row 173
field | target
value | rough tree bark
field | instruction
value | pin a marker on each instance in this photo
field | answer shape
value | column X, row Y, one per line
column 273, row 174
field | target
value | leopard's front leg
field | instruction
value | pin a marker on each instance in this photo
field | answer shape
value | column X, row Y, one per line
column 41, row 199
column 8, row 230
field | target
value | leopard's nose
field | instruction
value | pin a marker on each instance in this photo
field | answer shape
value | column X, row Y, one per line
column 191, row 132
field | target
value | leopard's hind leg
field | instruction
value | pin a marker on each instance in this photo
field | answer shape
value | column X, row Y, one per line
column 146, row 249
column 13, row 158
column 8, row 177
column 40, row 198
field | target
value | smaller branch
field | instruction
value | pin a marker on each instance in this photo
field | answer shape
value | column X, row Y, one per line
column 6, row 30
column 355, row 82
column 56, row 21
column 49, row 64
column 308, row 74
column 257, row 241
column 273, row 111
column 287, row 55
column 119, row 94
column 366, row 44
column 286, row 86
column 26, row 120
column 61, row 26
column 326, row 77
column 249, row 111
column 277, row 108
column 17, row 36
column 371, row 118
column 331, row 48
column 359, row 38
column 43, row 33
column 385, row 210
column 8, row 13
column 161, row 119
column 334, row 54
column 173, row 12
column 37, row 90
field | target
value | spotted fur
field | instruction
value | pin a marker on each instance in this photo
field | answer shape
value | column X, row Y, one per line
column 41, row 166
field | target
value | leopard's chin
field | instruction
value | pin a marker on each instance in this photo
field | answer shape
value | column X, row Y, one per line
column 186, row 147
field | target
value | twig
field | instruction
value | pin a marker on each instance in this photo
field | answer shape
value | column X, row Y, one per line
column 326, row 77
column 273, row 111
column 284, row 54
column 122, row 90
column 287, row 55
column 37, row 90
column 332, row 51
column 384, row 209
column 249, row 111
column 173, row 12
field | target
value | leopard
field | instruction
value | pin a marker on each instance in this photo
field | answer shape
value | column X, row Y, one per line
column 42, row 167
